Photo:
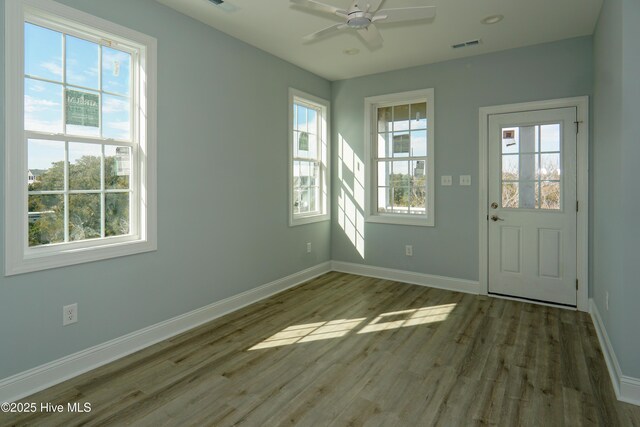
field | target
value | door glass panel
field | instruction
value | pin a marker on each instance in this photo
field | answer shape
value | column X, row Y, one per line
column 531, row 167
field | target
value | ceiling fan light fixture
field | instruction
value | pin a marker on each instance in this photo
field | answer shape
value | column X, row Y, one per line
column 493, row 19
column 359, row 22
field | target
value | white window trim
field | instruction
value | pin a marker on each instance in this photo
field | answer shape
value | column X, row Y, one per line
column 19, row 258
column 325, row 156
column 370, row 105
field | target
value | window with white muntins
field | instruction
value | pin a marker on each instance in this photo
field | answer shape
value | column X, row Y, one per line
column 308, row 158
column 80, row 146
column 400, row 135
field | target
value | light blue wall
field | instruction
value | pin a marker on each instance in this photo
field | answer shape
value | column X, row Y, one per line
column 222, row 200
column 548, row 71
column 616, row 258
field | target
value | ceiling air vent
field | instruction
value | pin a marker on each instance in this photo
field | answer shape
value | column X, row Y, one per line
column 217, row 1
column 466, row 44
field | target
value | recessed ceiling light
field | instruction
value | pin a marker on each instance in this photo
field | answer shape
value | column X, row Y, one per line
column 353, row 51
column 493, row 19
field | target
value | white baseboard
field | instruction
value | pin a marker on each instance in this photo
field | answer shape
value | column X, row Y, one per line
column 44, row 376
column 627, row 388
column 440, row 282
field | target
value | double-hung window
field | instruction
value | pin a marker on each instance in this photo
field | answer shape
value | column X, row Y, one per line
column 399, row 130
column 80, row 145
column 308, row 158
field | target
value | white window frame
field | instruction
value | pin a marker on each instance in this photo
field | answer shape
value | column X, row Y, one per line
column 19, row 257
column 371, row 104
column 323, row 108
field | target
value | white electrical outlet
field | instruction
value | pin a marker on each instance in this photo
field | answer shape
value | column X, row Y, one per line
column 607, row 300
column 446, row 180
column 69, row 314
column 309, row 247
column 408, row 250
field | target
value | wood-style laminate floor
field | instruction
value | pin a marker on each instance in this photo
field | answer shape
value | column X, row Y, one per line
column 345, row 350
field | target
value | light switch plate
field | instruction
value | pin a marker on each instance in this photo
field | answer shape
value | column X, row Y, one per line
column 446, row 180
column 465, row 179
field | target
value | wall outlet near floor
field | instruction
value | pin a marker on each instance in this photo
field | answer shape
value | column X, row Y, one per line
column 308, row 247
column 408, row 250
column 69, row 314
column 606, row 300
column 446, row 180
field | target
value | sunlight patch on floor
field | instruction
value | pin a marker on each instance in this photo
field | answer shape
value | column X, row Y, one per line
column 310, row 332
column 406, row 318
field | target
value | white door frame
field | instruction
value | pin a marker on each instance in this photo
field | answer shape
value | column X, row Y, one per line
column 582, row 168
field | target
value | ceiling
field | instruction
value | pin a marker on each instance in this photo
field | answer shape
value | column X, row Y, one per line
column 278, row 26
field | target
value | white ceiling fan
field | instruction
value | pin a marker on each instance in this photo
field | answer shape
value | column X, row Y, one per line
column 362, row 15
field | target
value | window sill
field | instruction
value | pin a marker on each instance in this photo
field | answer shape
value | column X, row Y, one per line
column 17, row 264
column 302, row 220
column 400, row 220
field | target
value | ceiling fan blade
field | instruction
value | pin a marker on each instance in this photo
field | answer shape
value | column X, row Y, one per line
column 386, row 16
column 312, row 4
column 371, row 36
column 318, row 34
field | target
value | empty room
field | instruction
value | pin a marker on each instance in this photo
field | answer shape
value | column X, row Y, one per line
column 319, row 212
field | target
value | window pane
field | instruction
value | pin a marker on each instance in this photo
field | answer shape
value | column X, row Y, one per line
column 401, row 117
column 400, row 180
column 42, row 52
column 313, row 146
column 313, row 199
column 384, row 171
column 550, row 137
column 84, row 216
column 385, row 119
column 312, row 121
column 302, row 118
column 117, row 167
column 419, row 143
column 84, row 166
column 116, row 71
column 82, row 62
column 46, row 219
column 510, row 195
column 45, row 165
column 549, row 195
column 82, row 111
column 384, row 145
column 417, row 201
column 401, row 199
column 419, row 116
column 510, row 167
column 550, row 166
column 384, row 199
column 296, row 201
column 116, row 117
column 116, row 214
column 401, row 145
column 42, row 106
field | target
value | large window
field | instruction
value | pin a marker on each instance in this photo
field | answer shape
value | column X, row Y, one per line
column 399, row 128
column 80, row 138
column 309, row 157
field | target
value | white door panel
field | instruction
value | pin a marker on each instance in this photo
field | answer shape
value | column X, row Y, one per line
column 532, row 193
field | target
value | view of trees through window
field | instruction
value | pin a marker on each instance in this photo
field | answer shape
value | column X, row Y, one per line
column 83, row 206
column 531, row 167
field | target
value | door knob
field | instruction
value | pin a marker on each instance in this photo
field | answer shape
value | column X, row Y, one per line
column 495, row 218
column 494, row 205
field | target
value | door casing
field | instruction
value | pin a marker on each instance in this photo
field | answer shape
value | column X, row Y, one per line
column 582, row 169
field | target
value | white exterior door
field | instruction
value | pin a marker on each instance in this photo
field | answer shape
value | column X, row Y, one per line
column 532, row 198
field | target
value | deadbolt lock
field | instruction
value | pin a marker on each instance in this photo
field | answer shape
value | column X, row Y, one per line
column 494, row 205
